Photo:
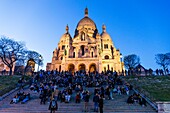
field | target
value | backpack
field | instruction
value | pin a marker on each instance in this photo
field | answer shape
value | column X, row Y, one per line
column 53, row 104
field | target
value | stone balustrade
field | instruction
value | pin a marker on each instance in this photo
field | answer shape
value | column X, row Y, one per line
column 163, row 107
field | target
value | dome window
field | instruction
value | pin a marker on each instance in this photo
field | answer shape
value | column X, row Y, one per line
column 106, row 57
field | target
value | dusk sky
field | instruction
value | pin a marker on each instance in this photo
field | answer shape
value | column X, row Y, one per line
column 140, row 27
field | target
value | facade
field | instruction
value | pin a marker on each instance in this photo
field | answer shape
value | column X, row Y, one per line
column 87, row 50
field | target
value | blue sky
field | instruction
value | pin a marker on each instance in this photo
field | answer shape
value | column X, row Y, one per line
column 140, row 27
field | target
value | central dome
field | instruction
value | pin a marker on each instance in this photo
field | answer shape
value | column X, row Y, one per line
column 88, row 24
column 86, row 21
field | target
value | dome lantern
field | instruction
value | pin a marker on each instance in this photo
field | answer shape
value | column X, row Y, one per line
column 104, row 28
column 86, row 12
column 67, row 28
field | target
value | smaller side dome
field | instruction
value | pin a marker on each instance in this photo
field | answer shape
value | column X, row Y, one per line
column 104, row 34
column 66, row 35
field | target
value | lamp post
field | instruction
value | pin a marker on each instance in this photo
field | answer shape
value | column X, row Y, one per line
column 39, row 60
column 121, row 57
column 121, row 63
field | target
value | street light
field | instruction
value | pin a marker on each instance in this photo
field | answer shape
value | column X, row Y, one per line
column 121, row 63
column 39, row 60
column 121, row 57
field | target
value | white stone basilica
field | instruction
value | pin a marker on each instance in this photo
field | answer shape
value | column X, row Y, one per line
column 87, row 50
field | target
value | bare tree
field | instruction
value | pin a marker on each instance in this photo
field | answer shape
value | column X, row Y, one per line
column 11, row 51
column 131, row 61
column 163, row 60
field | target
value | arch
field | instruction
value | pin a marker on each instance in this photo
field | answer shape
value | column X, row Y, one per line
column 31, row 63
column 106, row 57
column 82, row 67
column 92, row 67
column 71, row 67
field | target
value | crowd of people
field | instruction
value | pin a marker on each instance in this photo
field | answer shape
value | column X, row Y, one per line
column 54, row 86
column 20, row 97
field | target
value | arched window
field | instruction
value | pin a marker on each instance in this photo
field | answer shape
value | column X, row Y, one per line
column 106, row 57
column 82, row 37
column 112, row 50
column 91, row 54
column 108, row 68
column 104, row 69
column 61, row 58
column 74, row 54
column 82, row 50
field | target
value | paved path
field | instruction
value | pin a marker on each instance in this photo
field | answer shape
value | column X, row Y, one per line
column 117, row 105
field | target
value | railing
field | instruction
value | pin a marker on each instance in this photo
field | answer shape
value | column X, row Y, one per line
column 154, row 105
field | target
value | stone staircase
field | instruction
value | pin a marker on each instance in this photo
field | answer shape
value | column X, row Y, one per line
column 117, row 105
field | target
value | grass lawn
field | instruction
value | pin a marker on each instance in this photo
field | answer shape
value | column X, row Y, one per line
column 157, row 88
column 7, row 83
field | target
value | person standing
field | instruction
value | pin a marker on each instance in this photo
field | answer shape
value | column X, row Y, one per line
column 101, row 104
column 86, row 101
column 96, row 102
column 55, row 94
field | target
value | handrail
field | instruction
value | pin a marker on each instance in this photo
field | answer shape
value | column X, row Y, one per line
column 154, row 105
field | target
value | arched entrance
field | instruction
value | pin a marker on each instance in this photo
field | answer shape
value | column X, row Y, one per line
column 92, row 67
column 71, row 68
column 82, row 67
column 31, row 64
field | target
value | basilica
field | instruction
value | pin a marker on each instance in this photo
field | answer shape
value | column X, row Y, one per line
column 87, row 50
